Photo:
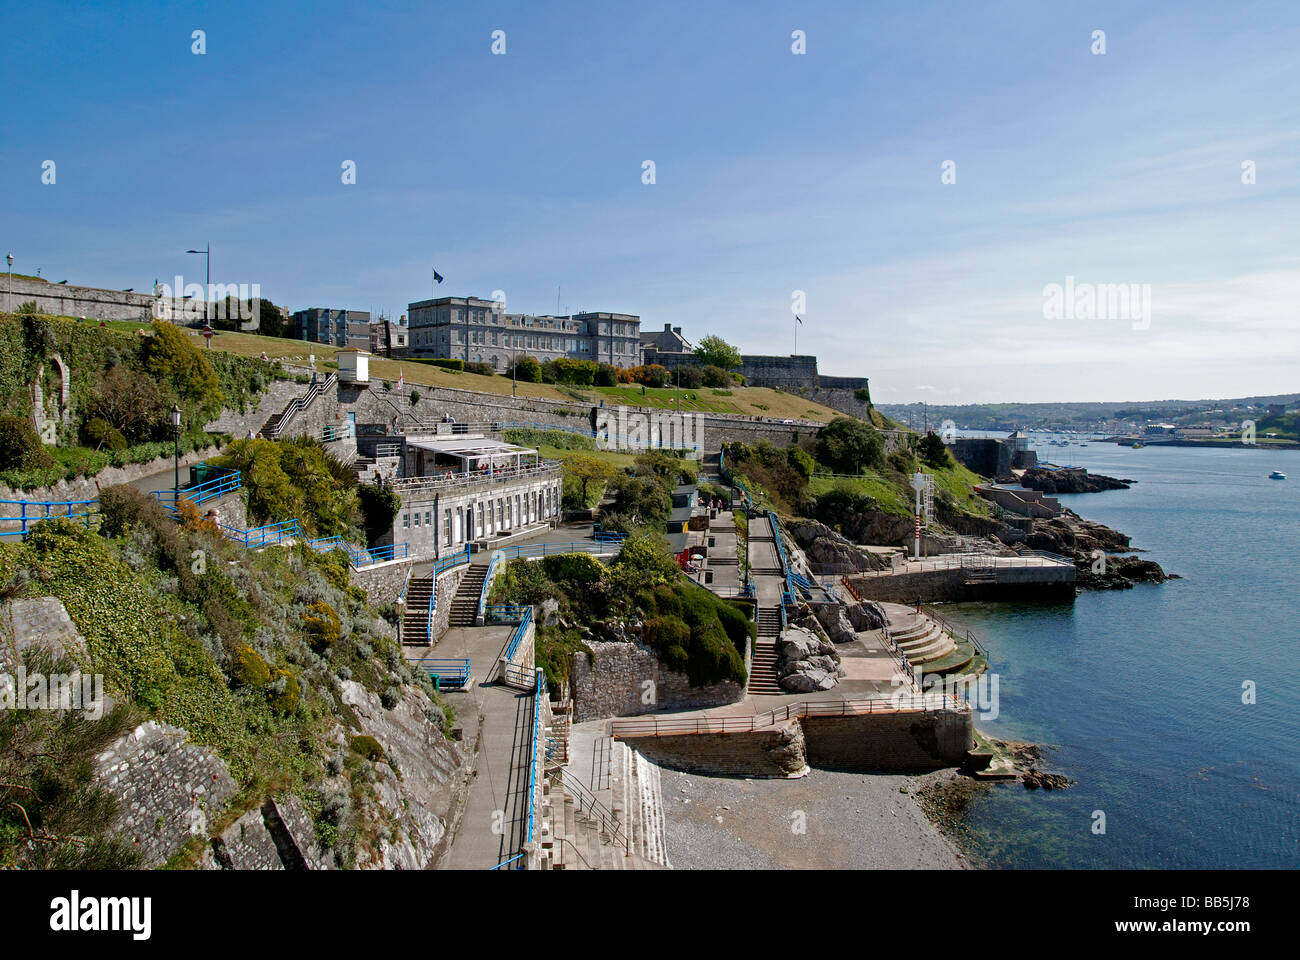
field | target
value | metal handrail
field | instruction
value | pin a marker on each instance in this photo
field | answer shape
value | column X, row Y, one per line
column 910, row 703
column 532, row 761
column 298, row 404
column 23, row 519
column 441, row 566
column 487, row 583
column 608, row 822
column 518, row 634
column 417, row 484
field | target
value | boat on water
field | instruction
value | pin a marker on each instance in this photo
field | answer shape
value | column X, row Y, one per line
column 1277, row 475
column 1138, row 446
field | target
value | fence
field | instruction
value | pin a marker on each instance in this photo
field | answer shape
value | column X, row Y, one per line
column 214, row 488
column 447, row 674
column 529, row 550
column 441, row 566
column 83, row 511
column 905, row 703
column 964, row 633
column 404, row 485
column 532, row 758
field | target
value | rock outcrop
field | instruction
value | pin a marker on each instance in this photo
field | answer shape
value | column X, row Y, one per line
column 1070, row 480
column 807, row 663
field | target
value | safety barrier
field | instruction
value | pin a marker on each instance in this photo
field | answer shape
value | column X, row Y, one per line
column 440, row 566
column 35, row 511
column 903, row 703
column 213, row 488
column 520, row 631
column 447, row 674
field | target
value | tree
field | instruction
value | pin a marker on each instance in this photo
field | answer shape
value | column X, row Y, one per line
column 933, row 451
column 714, row 351
column 850, row 446
column 131, row 404
column 171, row 356
column 586, row 470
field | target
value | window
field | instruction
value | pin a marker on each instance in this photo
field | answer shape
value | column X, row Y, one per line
column 446, row 526
column 501, row 514
column 417, row 518
column 428, row 515
column 406, row 521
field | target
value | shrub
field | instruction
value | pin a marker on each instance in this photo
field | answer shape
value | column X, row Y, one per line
column 103, row 434
column 482, row 368
column 20, row 447
column 527, row 370
column 850, row 446
column 688, row 376
column 606, row 376
column 322, row 625
column 248, row 668
column 368, row 747
column 713, row 375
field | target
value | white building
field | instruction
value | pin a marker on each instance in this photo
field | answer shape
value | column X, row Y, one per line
column 468, row 488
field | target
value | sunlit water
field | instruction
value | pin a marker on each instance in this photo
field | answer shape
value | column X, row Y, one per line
column 1138, row 693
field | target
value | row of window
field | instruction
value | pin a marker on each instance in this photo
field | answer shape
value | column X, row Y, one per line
column 462, row 524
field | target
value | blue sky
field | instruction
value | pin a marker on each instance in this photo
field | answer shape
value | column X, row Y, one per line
column 775, row 172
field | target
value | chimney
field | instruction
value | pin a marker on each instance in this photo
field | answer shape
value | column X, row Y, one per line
column 677, row 330
column 668, row 327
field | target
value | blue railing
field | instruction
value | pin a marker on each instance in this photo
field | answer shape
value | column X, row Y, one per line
column 448, row 674
column 608, row 536
column 532, row 760
column 519, row 632
column 214, row 488
column 266, row 535
column 361, row 556
column 34, row 511
column 547, row 549
column 487, row 585
column 441, row 565
column 505, row 612
column 780, row 552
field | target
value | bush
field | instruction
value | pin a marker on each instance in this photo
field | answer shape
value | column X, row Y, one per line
column 368, row 747
column 20, row 447
column 102, row 434
column 526, row 369
column 482, row 368
column 689, row 377
column 606, row 376
column 714, row 376
column 248, row 668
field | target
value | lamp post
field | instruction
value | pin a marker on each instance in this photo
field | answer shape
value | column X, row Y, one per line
column 176, row 438
column 207, row 271
column 9, row 302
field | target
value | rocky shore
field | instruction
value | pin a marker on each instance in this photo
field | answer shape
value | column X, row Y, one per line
column 1070, row 480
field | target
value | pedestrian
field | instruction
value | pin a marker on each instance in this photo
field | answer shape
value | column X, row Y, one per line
column 918, row 604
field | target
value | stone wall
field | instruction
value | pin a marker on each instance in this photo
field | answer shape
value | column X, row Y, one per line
column 278, row 395
column 66, row 300
column 937, row 586
column 774, row 752
column 613, row 683
column 447, row 585
column 167, row 790
column 40, row 623
column 787, row 373
column 893, row 742
column 382, row 582
column 87, row 488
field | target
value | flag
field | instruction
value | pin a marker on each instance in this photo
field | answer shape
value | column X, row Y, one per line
column 437, row 277
column 799, row 318
column 400, row 381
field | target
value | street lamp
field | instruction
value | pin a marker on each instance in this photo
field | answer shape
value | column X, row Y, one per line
column 176, row 437
column 207, row 257
column 9, row 303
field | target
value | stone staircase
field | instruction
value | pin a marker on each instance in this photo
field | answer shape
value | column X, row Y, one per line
column 281, row 421
column 464, row 605
column 415, row 621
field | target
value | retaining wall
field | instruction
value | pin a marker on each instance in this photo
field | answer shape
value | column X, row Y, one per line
column 627, row 679
column 774, row 752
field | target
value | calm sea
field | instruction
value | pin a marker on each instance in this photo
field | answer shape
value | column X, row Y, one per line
column 1138, row 693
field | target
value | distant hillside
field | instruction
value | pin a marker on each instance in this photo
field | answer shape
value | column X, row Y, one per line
column 1103, row 417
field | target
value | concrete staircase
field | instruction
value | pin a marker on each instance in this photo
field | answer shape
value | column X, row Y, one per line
column 762, row 670
column 415, row 621
column 580, row 832
column 920, row 638
column 464, row 605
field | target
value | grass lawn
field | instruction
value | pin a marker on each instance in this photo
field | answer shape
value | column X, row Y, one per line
column 745, row 401
column 874, row 485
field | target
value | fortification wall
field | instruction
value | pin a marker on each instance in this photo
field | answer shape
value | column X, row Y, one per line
column 937, row 586
column 787, row 373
